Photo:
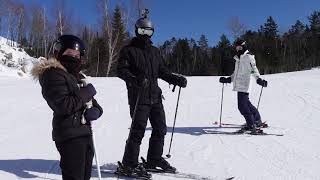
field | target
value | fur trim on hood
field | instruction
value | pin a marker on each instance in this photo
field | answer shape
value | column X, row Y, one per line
column 43, row 65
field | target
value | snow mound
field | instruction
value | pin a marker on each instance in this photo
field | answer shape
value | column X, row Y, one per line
column 14, row 61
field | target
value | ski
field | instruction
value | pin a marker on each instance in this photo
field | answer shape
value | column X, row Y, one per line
column 229, row 124
column 264, row 124
column 179, row 175
column 111, row 171
column 242, row 133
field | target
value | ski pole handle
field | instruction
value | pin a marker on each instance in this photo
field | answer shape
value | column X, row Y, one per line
column 88, row 104
column 174, row 88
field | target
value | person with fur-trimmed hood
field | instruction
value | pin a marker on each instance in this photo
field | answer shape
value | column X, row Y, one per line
column 63, row 90
column 245, row 67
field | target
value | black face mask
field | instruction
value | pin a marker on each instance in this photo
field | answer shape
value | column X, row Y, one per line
column 72, row 64
column 145, row 39
column 241, row 52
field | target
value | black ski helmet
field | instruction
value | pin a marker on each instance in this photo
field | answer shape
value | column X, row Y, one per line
column 240, row 42
column 144, row 22
column 65, row 42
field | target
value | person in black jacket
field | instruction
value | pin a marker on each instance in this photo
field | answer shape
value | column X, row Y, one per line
column 62, row 89
column 140, row 65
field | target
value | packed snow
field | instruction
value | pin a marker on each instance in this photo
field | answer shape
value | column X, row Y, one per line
column 14, row 61
column 291, row 106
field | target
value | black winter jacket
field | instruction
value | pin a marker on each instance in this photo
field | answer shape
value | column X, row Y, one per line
column 141, row 59
column 61, row 91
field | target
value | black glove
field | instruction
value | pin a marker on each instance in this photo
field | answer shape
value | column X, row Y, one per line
column 262, row 82
column 139, row 81
column 87, row 92
column 225, row 80
column 95, row 104
column 179, row 80
column 92, row 113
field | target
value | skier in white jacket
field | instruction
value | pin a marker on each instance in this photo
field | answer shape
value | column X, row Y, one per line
column 245, row 67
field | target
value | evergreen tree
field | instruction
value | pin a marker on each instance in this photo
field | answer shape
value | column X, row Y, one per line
column 119, row 30
column 314, row 20
column 203, row 43
column 298, row 28
column 270, row 28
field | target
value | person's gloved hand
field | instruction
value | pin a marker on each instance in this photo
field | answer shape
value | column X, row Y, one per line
column 95, row 104
column 225, row 80
column 87, row 92
column 92, row 113
column 138, row 81
column 262, row 82
column 179, row 80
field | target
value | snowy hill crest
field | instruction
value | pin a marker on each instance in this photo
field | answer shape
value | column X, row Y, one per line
column 14, row 60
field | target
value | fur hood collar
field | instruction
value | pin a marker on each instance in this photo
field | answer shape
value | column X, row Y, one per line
column 43, row 65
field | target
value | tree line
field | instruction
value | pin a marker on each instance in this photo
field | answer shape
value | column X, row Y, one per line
column 36, row 30
column 294, row 50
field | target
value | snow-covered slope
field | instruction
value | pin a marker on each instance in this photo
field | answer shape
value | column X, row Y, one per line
column 14, row 61
column 290, row 105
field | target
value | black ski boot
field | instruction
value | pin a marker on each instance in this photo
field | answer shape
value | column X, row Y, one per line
column 262, row 125
column 159, row 165
column 250, row 130
column 138, row 171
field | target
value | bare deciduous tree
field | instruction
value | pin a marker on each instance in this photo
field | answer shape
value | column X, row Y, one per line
column 63, row 17
column 112, row 39
column 111, row 36
column 236, row 27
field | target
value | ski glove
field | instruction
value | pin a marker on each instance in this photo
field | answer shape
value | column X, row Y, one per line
column 225, row 80
column 262, row 82
column 95, row 104
column 87, row 92
column 179, row 80
column 92, row 114
column 139, row 81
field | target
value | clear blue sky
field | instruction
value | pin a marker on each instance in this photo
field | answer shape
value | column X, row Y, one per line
column 191, row 18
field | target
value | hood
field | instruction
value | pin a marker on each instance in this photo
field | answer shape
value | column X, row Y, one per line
column 43, row 65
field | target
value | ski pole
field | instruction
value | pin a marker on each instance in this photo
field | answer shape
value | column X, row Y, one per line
column 135, row 110
column 95, row 153
column 221, row 105
column 83, row 121
column 260, row 97
column 174, row 123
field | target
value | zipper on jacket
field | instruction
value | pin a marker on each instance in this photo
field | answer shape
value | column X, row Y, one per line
column 146, row 59
column 152, row 76
column 235, row 77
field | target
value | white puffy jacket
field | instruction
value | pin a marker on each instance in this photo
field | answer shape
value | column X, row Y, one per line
column 244, row 68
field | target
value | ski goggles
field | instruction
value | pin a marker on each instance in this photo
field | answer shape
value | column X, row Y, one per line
column 144, row 31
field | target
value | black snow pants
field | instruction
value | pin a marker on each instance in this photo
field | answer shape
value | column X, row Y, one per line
column 76, row 158
column 155, row 113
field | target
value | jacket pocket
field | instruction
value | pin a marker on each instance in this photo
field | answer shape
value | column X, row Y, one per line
column 76, row 119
